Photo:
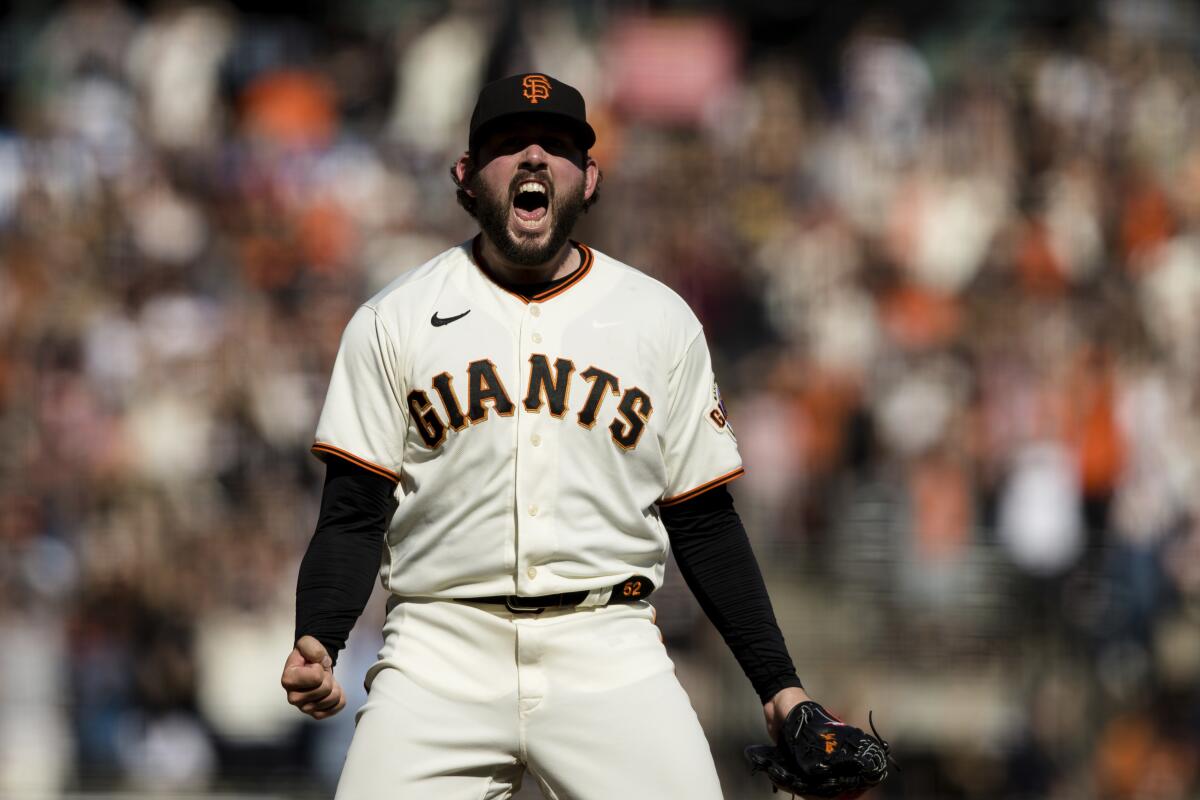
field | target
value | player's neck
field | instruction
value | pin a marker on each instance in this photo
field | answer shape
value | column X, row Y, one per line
column 562, row 263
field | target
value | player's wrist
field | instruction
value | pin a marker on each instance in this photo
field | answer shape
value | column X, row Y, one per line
column 781, row 703
column 786, row 699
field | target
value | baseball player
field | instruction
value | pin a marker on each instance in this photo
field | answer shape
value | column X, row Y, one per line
column 522, row 426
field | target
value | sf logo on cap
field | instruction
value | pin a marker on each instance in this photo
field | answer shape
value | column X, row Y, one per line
column 536, row 87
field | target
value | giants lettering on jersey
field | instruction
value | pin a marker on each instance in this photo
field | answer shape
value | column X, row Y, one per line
column 549, row 388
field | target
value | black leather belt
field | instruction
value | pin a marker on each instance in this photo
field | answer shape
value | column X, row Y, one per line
column 629, row 590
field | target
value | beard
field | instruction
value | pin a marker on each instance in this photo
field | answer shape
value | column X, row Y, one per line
column 493, row 210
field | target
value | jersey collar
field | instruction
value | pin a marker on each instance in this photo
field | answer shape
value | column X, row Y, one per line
column 585, row 267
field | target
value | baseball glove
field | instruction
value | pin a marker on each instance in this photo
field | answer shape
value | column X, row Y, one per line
column 818, row 755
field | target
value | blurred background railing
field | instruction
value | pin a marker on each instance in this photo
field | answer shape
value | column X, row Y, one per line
column 946, row 256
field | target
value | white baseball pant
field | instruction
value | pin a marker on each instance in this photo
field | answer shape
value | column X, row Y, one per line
column 465, row 698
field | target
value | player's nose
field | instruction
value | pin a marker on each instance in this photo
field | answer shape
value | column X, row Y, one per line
column 533, row 155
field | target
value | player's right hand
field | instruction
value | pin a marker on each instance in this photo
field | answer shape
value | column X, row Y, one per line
column 309, row 682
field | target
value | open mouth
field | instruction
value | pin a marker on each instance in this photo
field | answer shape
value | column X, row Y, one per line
column 532, row 202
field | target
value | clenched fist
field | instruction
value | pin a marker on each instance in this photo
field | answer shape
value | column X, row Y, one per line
column 308, row 679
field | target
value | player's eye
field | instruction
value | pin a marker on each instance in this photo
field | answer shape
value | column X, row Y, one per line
column 549, row 143
column 558, row 147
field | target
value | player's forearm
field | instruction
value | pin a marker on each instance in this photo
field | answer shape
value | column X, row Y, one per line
column 339, row 567
column 715, row 558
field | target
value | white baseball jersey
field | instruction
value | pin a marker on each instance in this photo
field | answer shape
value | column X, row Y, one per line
column 531, row 440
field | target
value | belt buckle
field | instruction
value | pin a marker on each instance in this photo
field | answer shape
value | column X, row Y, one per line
column 518, row 609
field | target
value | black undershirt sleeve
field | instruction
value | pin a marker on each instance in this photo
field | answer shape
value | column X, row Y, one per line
column 342, row 560
column 715, row 559
column 710, row 544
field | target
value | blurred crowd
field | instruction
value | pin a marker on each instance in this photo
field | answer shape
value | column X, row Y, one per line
column 951, row 283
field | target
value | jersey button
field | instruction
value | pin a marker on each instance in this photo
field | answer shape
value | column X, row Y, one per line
column 537, row 338
column 531, row 573
column 535, row 310
column 535, row 440
column 533, row 509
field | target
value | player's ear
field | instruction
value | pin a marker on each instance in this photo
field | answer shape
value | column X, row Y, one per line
column 462, row 171
column 591, row 178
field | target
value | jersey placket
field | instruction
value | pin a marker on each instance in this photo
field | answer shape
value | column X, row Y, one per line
column 537, row 469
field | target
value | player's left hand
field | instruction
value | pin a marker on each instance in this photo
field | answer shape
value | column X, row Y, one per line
column 816, row 754
column 309, row 681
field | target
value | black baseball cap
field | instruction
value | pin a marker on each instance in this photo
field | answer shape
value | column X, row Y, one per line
column 531, row 93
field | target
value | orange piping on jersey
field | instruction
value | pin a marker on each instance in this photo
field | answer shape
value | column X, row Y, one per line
column 701, row 489
column 583, row 270
column 554, row 291
column 322, row 447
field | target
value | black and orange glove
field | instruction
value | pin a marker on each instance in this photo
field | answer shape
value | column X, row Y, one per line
column 818, row 755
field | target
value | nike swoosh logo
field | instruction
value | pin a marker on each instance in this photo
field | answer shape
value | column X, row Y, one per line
column 438, row 322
